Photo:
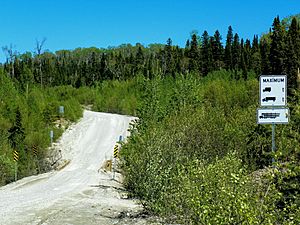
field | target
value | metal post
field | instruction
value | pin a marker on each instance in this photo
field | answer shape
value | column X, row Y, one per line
column 51, row 136
column 113, row 168
column 273, row 141
column 16, row 171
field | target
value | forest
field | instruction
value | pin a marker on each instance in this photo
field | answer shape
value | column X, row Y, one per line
column 196, row 154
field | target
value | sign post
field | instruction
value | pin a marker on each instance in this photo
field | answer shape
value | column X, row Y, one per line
column 16, row 159
column 273, row 140
column 51, row 136
column 61, row 110
column 273, row 100
column 116, row 155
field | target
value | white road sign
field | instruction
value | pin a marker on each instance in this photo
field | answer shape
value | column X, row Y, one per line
column 51, row 134
column 273, row 115
column 61, row 109
column 273, row 90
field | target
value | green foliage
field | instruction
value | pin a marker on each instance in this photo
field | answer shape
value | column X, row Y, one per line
column 277, row 49
column 193, row 152
column 222, row 193
column 26, row 120
column 118, row 97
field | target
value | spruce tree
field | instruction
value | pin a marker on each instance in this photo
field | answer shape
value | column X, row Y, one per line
column 217, row 51
column 16, row 133
column 206, row 54
column 187, row 48
column 194, row 55
column 255, row 59
column 265, row 56
column 277, row 49
column 169, row 61
column 243, row 64
column 228, row 49
column 139, row 59
column 248, row 53
column 236, row 53
column 292, row 60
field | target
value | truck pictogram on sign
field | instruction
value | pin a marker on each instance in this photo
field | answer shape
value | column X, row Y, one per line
column 266, row 99
column 267, row 89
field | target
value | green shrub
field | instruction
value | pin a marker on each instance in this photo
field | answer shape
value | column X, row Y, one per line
column 193, row 151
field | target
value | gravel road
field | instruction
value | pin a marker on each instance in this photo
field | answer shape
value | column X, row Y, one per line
column 80, row 193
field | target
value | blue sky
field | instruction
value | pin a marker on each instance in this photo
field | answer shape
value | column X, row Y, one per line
column 68, row 24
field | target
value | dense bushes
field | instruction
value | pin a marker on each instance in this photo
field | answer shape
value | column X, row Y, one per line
column 196, row 146
column 26, row 118
column 118, row 96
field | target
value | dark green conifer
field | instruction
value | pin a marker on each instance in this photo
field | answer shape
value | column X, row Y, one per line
column 217, row 51
column 255, row 58
column 16, row 133
column 206, row 54
column 194, row 55
column 292, row 60
column 243, row 64
column 236, row 54
column 265, row 56
column 169, row 61
column 228, row 49
column 277, row 49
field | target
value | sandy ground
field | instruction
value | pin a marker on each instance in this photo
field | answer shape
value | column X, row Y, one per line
column 80, row 193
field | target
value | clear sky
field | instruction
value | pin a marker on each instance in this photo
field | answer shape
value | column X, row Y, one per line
column 68, row 24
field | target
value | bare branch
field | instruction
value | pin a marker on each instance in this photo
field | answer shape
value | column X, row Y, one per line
column 39, row 45
column 9, row 52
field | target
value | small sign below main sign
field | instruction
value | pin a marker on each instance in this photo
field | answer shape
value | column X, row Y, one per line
column 273, row 90
column 61, row 109
column 273, row 116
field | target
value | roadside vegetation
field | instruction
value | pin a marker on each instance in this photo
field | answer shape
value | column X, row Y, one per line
column 26, row 118
column 200, row 158
column 196, row 154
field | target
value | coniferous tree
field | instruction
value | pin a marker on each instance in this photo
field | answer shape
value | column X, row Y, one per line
column 255, row 59
column 139, row 59
column 277, row 51
column 236, row 53
column 248, row 53
column 265, row 56
column 217, row 51
column 228, row 49
column 102, row 68
column 243, row 64
column 194, row 55
column 169, row 61
column 178, row 58
column 206, row 54
column 292, row 60
column 187, row 48
column 16, row 133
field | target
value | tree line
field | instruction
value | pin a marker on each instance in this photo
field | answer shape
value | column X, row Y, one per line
column 277, row 52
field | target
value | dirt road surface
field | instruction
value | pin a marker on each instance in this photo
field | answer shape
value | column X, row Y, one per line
column 80, row 193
